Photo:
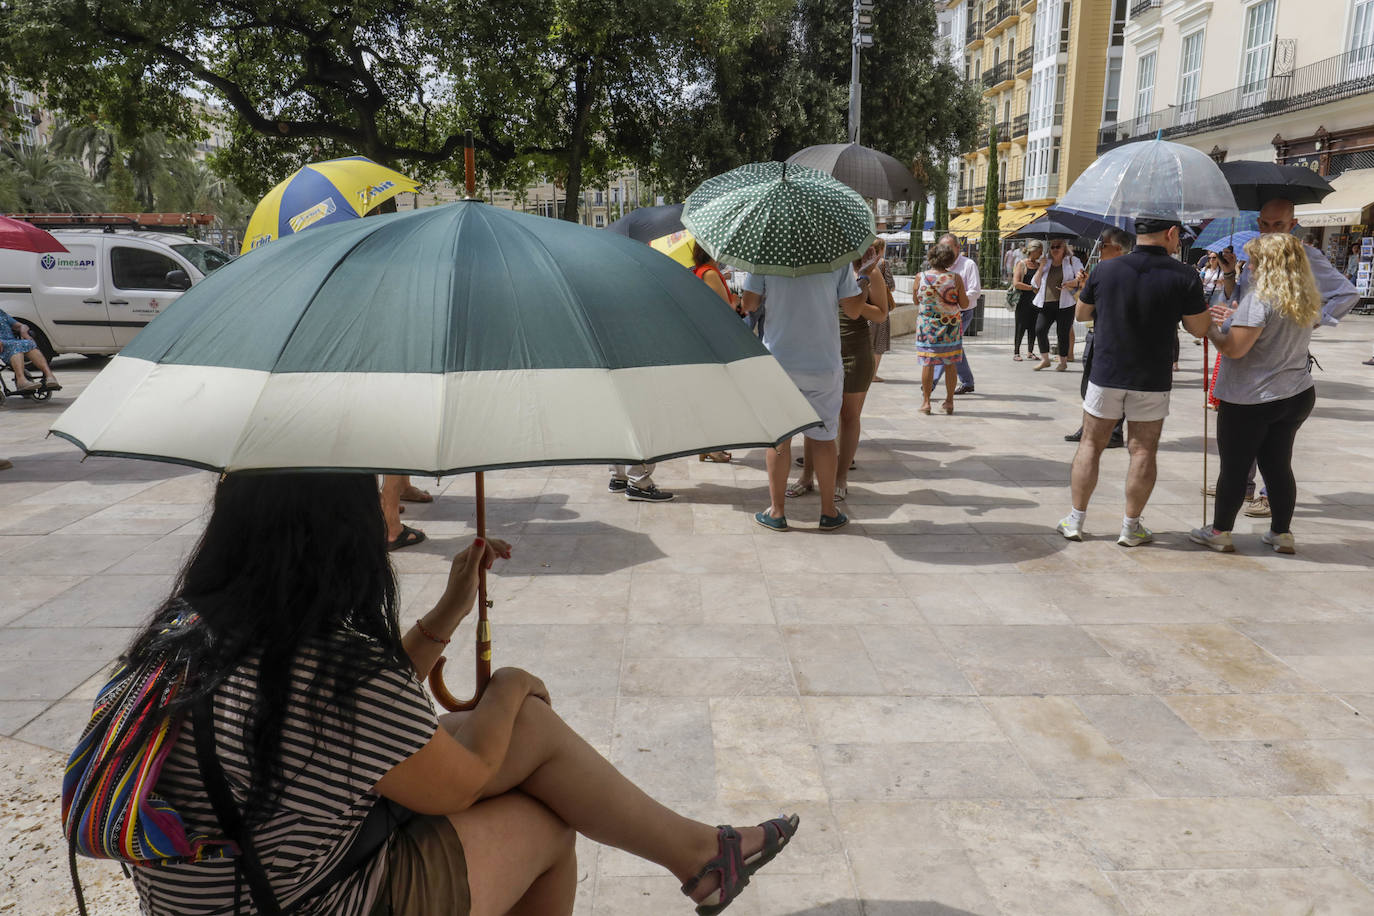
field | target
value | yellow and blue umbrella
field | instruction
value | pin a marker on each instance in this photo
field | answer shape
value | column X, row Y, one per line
column 323, row 193
column 678, row 246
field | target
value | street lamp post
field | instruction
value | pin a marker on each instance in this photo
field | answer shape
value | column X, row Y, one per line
column 863, row 38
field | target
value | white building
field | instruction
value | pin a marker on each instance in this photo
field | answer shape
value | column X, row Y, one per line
column 1272, row 80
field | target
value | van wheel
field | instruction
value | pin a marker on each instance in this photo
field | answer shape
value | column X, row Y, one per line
column 42, row 340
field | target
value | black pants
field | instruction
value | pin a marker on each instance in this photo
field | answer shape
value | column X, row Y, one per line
column 1263, row 432
column 1026, row 315
column 1062, row 321
column 1120, row 431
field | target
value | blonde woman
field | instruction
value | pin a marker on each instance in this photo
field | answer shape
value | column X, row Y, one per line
column 1265, row 387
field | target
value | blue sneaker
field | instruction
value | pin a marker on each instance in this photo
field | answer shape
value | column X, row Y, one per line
column 832, row 522
column 769, row 522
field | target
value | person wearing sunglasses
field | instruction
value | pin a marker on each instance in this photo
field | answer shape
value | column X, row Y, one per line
column 1059, row 278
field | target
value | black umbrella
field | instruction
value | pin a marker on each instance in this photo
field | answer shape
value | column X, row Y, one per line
column 871, row 173
column 648, row 223
column 1257, row 183
column 1045, row 228
column 1087, row 225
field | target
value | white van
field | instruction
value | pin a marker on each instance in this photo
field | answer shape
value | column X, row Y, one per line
column 94, row 298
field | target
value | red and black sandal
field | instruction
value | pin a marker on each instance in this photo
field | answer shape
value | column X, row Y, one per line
column 732, row 869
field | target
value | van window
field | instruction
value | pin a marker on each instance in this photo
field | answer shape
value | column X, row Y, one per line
column 139, row 268
column 206, row 258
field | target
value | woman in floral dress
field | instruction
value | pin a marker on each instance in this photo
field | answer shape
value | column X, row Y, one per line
column 938, row 336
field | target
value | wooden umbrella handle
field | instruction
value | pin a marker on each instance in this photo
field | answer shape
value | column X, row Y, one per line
column 483, row 649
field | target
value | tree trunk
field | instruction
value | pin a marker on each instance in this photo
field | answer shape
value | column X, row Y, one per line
column 584, row 90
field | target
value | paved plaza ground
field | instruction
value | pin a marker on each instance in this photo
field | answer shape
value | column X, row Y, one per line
column 971, row 715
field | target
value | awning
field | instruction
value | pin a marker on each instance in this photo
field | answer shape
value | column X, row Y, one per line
column 970, row 225
column 1354, row 191
column 966, row 226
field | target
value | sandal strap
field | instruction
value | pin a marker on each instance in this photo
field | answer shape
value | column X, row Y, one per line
column 728, row 865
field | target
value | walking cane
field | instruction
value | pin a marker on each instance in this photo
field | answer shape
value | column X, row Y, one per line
column 1206, row 393
column 483, row 648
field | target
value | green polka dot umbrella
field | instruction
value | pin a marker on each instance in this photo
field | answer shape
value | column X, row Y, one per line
column 780, row 219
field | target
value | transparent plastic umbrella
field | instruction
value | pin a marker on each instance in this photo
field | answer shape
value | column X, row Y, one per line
column 1153, row 178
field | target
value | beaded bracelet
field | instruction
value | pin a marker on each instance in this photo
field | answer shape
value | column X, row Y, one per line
column 428, row 635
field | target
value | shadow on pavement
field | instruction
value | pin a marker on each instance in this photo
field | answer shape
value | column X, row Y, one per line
column 885, row 908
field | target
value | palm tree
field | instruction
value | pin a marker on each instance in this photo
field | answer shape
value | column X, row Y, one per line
column 146, row 158
column 46, row 182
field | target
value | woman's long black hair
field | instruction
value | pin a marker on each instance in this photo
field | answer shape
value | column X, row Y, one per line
column 287, row 560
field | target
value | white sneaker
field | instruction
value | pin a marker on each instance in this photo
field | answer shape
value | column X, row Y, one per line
column 1134, row 537
column 1282, row 543
column 1220, row 541
column 1071, row 529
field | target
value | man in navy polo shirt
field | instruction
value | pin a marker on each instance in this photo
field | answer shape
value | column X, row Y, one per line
column 1136, row 302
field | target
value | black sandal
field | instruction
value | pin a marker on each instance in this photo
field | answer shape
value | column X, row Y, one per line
column 408, row 537
column 733, row 869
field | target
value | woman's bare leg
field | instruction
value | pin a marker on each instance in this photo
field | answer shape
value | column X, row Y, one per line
column 392, row 485
column 851, row 408
column 550, row 762
column 927, row 386
column 521, row 857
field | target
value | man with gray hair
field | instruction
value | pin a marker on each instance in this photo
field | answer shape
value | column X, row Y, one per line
column 967, row 269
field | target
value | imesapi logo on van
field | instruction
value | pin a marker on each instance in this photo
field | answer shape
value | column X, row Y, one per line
column 313, row 215
column 367, row 194
column 50, row 262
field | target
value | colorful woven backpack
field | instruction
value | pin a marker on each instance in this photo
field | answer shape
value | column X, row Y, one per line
column 109, row 806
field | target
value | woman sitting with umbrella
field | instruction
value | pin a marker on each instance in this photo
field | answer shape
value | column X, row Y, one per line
column 355, row 797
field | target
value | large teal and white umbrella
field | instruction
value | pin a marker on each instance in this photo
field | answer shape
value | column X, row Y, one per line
column 779, row 218
column 438, row 341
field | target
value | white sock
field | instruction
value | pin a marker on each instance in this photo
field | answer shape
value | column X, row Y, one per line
column 1130, row 523
column 1077, row 515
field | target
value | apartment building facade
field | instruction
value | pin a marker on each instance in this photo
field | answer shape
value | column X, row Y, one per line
column 1043, row 65
column 1289, row 81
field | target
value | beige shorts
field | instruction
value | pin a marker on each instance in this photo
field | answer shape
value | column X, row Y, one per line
column 1115, row 403
column 427, row 871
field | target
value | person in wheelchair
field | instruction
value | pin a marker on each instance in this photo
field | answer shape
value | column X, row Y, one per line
column 15, row 344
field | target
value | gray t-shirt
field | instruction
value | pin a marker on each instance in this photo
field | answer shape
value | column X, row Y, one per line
column 1276, row 366
column 803, row 327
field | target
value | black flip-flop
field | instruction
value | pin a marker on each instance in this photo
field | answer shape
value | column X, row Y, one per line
column 408, row 537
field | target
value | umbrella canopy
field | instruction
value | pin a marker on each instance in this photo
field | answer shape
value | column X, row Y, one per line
column 781, row 219
column 1236, row 240
column 1245, row 221
column 648, row 223
column 678, row 246
column 1154, row 178
column 871, row 173
column 17, row 235
column 438, row 341
column 323, row 193
column 1254, row 183
column 1046, row 228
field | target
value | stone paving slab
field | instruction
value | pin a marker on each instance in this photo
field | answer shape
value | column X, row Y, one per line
column 971, row 715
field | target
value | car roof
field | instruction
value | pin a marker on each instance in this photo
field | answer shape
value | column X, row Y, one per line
column 165, row 238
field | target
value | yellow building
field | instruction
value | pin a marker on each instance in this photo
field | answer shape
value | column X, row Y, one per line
column 1044, row 69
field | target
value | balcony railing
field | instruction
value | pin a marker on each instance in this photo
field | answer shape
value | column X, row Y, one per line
column 1340, row 77
column 997, row 73
column 974, row 31
column 1020, row 125
column 1016, row 190
column 1003, row 131
column 979, row 195
column 1140, row 7
column 964, row 198
column 1025, row 59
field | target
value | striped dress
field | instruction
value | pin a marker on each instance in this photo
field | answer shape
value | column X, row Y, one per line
column 330, row 765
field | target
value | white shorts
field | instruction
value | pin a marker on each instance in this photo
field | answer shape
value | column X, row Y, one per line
column 1115, row 403
column 825, row 392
